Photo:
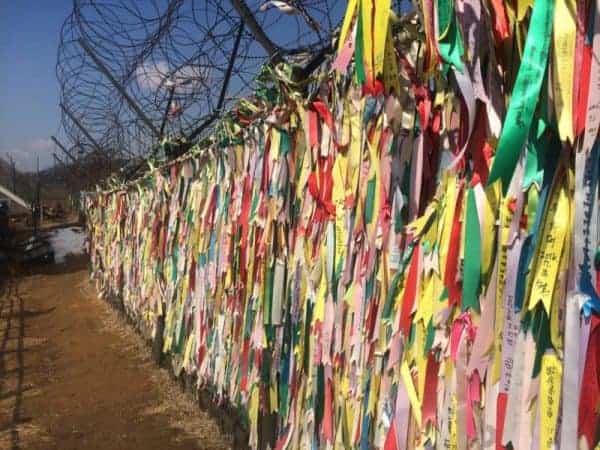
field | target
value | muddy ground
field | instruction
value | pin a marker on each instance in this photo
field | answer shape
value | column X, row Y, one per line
column 74, row 375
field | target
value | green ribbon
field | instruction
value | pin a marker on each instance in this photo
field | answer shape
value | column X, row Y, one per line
column 285, row 145
column 429, row 338
column 268, row 298
column 536, row 155
column 370, row 201
column 358, row 50
column 525, row 94
column 538, row 323
column 450, row 40
column 472, row 264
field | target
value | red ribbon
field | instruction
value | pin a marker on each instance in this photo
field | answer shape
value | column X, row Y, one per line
column 410, row 292
column 320, row 187
column 429, row 408
column 501, row 30
column 589, row 403
column 450, row 281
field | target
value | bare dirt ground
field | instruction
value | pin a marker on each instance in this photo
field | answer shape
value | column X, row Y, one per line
column 74, row 375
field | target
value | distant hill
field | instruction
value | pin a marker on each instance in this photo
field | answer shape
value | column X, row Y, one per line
column 53, row 188
column 62, row 182
column 22, row 185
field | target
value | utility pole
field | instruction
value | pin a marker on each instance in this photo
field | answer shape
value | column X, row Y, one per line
column 57, row 162
column 64, row 150
column 77, row 166
column 81, row 127
column 36, row 211
column 261, row 37
column 71, row 180
column 67, row 175
column 13, row 172
column 166, row 114
column 39, row 191
column 99, row 149
column 118, row 86
column 224, row 87
column 232, row 59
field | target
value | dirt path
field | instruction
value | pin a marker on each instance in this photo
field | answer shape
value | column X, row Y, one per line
column 73, row 375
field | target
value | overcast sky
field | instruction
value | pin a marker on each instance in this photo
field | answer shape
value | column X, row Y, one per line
column 29, row 114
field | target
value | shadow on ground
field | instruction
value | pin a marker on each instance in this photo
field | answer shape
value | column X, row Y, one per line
column 13, row 317
column 73, row 375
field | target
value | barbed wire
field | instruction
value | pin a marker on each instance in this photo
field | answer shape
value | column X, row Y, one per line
column 181, row 63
